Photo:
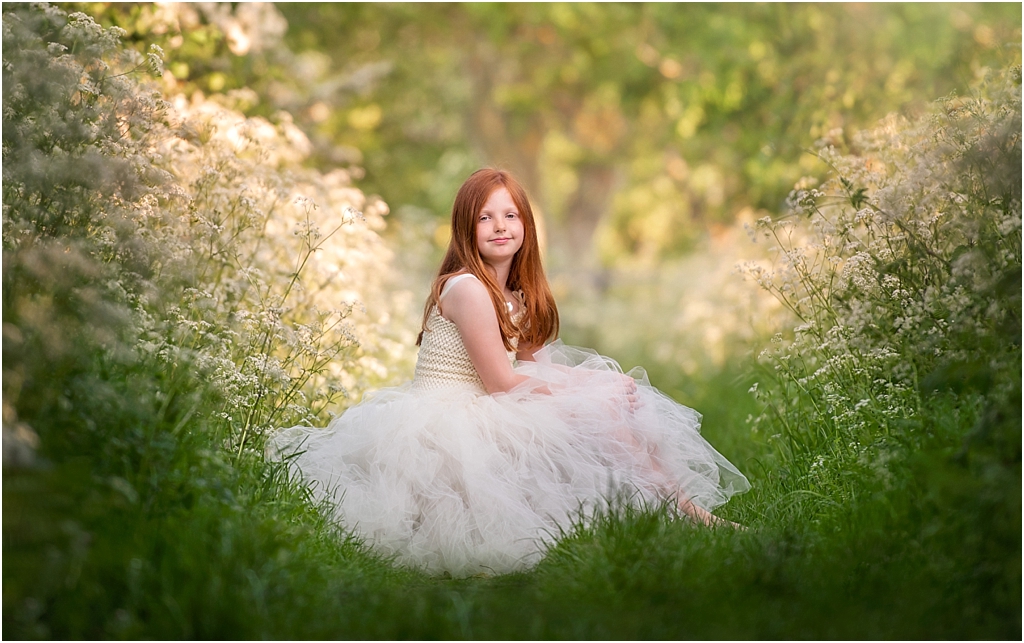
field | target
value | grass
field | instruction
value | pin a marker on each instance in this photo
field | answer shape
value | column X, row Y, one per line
column 171, row 539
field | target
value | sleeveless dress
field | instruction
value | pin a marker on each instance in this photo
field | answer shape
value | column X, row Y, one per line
column 444, row 477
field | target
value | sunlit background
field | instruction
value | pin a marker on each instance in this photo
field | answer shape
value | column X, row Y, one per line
column 646, row 134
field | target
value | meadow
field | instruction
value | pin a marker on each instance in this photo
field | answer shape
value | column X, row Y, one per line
column 179, row 279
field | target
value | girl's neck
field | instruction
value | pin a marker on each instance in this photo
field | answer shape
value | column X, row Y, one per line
column 500, row 273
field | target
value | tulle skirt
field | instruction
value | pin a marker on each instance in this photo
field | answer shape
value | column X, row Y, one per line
column 454, row 480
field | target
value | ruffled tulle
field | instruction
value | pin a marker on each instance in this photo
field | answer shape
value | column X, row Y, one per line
column 460, row 481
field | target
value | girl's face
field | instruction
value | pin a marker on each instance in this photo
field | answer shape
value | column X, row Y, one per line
column 499, row 228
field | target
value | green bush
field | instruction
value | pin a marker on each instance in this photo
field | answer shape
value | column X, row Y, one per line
column 147, row 309
column 904, row 271
column 896, row 401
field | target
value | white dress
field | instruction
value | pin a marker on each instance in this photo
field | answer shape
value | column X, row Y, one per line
column 447, row 478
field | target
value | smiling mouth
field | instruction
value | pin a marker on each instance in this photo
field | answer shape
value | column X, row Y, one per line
column 501, row 240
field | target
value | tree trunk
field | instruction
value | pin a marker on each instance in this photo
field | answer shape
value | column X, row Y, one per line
column 584, row 211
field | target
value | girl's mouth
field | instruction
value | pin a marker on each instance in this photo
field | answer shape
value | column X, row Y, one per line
column 501, row 241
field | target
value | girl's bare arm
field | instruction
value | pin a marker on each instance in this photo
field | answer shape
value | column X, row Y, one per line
column 469, row 307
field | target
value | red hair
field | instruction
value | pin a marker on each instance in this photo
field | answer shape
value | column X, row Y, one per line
column 540, row 320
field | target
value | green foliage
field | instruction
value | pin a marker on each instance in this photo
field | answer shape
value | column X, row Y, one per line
column 900, row 390
column 190, row 228
column 146, row 301
column 904, row 271
column 162, row 534
column 72, row 176
column 642, row 123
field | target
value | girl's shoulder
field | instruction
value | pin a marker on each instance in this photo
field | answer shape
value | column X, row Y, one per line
column 465, row 301
column 454, row 279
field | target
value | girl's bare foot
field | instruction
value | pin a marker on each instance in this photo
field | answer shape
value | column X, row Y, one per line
column 705, row 517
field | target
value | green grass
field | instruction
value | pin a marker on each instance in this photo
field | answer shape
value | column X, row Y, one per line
column 172, row 538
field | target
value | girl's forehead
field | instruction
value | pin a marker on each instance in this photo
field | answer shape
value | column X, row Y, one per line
column 499, row 196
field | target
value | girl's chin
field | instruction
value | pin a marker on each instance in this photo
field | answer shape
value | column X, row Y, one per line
column 499, row 251
column 497, row 257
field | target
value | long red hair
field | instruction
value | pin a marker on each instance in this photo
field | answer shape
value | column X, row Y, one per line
column 540, row 321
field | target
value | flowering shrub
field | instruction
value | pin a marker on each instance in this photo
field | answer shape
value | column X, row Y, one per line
column 904, row 270
column 278, row 257
column 179, row 238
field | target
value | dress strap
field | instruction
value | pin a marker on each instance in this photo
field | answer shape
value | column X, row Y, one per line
column 451, row 282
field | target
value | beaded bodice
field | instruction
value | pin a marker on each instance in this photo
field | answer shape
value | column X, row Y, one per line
column 443, row 361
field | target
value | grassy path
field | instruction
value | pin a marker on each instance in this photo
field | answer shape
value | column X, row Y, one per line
column 199, row 549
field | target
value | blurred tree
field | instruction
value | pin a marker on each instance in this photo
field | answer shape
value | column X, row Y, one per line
column 636, row 127
column 655, row 120
column 224, row 48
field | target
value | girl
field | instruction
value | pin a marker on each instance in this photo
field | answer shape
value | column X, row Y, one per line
column 500, row 439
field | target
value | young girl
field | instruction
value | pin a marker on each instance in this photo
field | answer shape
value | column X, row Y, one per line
column 499, row 440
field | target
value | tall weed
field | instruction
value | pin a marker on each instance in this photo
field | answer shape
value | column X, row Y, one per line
column 894, row 406
column 904, row 270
